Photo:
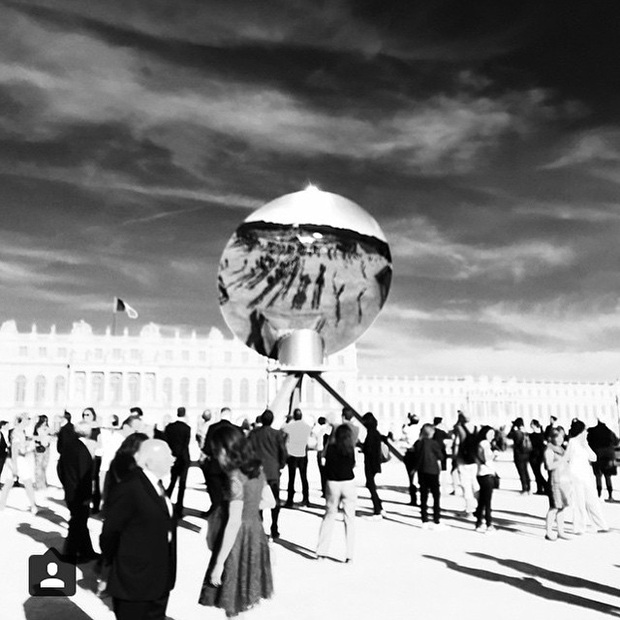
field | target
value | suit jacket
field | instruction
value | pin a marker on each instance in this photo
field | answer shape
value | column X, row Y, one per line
column 178, row 435
column 75, row 471
column 138, row 541
column 270, row 447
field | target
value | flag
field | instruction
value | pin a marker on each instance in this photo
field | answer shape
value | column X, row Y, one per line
column 121, row 306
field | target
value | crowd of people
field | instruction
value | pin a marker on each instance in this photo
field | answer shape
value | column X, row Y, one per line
column 128, row 473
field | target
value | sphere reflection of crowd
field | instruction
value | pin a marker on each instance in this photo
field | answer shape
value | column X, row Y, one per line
column 105, row 467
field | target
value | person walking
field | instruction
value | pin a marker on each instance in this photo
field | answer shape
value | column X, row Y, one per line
column 178, row 435
column 21, row 449
column 586, row 502
column 297, row 434
column 536, row 458
column 486, row 477
column 371, row 449
column 238, row 576
column 521, row 450
column 603, row 441
column 428, row 455
column 75, row 472
column 321, row 433
column 559, row 488
column 339, row 471
column 138, row 539
column 464, row 455
column 89, row 416
column 269, row 446
column 42, row 440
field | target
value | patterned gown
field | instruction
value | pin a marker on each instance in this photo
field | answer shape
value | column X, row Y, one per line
column 246, row 578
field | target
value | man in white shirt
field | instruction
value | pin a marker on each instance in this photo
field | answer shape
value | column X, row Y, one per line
column 297, row 435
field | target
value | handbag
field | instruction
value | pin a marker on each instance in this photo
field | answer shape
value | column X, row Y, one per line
column 496, row 481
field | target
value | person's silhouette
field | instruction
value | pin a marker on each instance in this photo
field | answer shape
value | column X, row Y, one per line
column 51, row 581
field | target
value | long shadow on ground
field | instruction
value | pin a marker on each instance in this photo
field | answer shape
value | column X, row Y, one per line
column 531, row 586
column 53, row 608
column 564, row 580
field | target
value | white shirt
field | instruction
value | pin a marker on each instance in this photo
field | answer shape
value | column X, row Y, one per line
column 155, row 482
column 297, row 433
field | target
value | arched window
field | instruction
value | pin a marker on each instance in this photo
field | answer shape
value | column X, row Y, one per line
column 39, row 389
column 59, row 390
column 261, row 392
column 116, row 387
column 97, row 387
column 184, row 389
column 167, row 390
column 201, row 391
column 80, row 385
column 342, row 388
column 227, row 391
column 134, row 388
column 149, row 387
column 244, row 391
column 20, row 389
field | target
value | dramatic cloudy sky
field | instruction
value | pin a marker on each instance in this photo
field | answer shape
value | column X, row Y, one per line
column 483, row 136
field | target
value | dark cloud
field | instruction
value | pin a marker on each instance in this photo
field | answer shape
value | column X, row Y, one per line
column 135, row 136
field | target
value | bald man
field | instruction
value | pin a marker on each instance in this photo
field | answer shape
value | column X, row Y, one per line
column 138, row 540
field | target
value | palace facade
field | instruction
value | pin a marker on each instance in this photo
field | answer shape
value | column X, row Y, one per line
column 48, row 372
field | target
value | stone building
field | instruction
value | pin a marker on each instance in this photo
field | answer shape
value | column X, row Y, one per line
column 48, row 372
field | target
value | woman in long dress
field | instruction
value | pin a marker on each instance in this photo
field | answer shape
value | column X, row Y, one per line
column 42, row 440
column 22, row 462
column 239, row 572
column 586, row 502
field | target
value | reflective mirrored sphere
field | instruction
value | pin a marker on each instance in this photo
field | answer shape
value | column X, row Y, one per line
column 311, row 260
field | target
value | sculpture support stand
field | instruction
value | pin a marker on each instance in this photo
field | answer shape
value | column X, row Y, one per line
column 289, row 395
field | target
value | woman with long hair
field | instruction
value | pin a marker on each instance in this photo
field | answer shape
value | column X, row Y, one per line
column 239, row 572
column 340, row 477
column 124, row 463
column 486, row 477
column 42, row 440
column 22, row 462
column 371, row 448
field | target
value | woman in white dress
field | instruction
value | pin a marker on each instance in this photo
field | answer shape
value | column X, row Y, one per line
column 585, row 500
column 22, row 462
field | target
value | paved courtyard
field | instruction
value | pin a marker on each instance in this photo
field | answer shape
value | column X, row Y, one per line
column 400, row 571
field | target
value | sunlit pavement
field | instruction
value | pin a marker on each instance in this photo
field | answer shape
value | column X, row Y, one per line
column 400, row 571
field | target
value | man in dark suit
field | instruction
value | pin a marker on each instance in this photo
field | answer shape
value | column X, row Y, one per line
column 138, row 540
column 215, row 478
column 177, row 435
column 75, row 472
column 270, row 447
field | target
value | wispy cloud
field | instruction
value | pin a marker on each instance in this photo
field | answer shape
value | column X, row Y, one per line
column 596, row 146
column 85, row 79
column 430, row 251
